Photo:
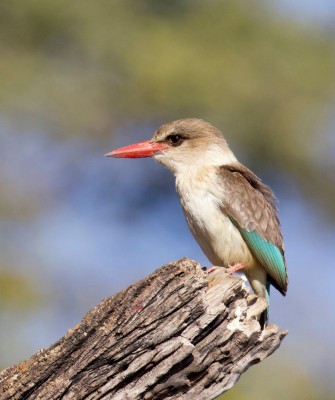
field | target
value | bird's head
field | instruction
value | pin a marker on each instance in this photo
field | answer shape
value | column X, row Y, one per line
column 181, row 144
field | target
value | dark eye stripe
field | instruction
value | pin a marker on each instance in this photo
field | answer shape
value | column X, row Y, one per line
column 175, row 139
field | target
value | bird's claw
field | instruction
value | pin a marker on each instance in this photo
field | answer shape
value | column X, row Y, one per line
column 211, row 269
column 234, row 268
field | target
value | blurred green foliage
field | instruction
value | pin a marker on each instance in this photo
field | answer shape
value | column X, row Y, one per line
column 87, row 68
column 276, row 380
column 16, row 292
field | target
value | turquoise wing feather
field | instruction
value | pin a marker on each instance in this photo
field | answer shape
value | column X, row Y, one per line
column 267, row 253
column 250, row 205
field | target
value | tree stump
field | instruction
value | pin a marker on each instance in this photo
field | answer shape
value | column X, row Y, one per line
column 180, row 333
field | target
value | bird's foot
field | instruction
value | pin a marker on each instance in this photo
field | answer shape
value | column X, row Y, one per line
column 211, row 269
column 234, row 268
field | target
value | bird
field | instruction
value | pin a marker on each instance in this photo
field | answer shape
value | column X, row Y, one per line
column 231, row 213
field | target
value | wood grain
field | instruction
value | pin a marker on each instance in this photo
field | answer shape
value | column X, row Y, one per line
column 179, row 333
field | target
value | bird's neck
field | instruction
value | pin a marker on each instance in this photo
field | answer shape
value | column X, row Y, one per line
column 196, row 179
column 198, row 163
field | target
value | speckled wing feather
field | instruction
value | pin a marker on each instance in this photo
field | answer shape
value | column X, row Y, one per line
column 250, row 206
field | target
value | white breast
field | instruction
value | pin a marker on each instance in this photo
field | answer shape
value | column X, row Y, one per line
column 202, row 200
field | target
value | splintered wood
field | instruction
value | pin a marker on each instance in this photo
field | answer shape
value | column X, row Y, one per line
column 180, row 333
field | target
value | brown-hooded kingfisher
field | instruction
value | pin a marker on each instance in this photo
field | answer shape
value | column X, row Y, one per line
column 229, row 210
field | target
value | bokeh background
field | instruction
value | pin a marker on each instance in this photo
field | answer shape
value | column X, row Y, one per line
column 78, row 79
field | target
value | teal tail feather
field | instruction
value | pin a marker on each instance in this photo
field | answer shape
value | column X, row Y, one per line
column 264, row 318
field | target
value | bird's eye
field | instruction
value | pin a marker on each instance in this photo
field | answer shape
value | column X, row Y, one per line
column 175, row 140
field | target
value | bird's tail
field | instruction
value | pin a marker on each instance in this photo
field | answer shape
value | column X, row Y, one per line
column 264, row 318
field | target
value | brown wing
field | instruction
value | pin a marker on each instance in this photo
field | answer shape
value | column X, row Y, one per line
column 250, row 203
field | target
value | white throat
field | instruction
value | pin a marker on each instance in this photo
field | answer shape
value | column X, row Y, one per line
column 180, row 161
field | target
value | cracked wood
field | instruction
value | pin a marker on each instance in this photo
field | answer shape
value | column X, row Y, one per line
column 180, row 333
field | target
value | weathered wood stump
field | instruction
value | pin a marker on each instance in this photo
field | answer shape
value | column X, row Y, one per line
column 180, row 333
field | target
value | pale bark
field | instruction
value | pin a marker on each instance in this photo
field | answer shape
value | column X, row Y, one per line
column 180, row 333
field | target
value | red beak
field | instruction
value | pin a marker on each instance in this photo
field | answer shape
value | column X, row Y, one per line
column 138, row 150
